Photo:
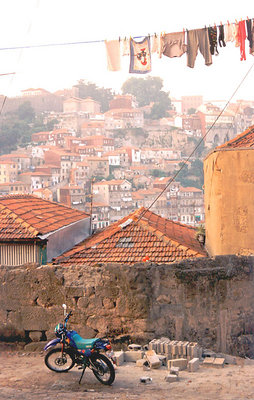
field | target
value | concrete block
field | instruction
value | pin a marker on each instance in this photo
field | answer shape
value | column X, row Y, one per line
column 133, row 356
column 145, row 379
column 181, row 363
column 153, row 359
column 141, row 362
column 192, row 350
column 119, row 357
column 174, row 371
column 219, row 362
column 180, row 348
column 163, row 360
column 171, row 378
column 193, row 365
column 228, row 358
column 152, row 345
column 208, row 361
column 134, row 347
column 184, row 347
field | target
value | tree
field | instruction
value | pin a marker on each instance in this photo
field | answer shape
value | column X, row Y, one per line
column 89, row 89
column 191, row 111
column 25, row 112
column 157, row 173
column 149, row 90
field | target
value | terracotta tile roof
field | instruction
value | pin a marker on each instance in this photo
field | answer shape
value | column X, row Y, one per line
column 27, row 216
column 244, row 139
column 190, row 189
column 137, row 237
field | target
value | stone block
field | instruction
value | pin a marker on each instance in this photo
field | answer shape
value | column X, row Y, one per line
column 119, row 357
column 133, row 356
column 145, row 379
column 219, row 362
column 193, row 365
column 174, row 371
column 163, row 360
column 178, row 362
column 153, row 359
column 184, row 347
column 35, row 336
column 180, row 348
column 208, row 361
column 228, row 358
column 134, row 347
column 171, row 378
column 141, row 362
column 35, row 346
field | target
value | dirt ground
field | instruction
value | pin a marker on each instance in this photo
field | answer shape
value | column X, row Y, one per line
column 25, row 376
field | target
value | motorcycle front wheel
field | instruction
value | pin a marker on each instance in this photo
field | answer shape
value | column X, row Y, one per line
column 102, row 369
column 59, row 361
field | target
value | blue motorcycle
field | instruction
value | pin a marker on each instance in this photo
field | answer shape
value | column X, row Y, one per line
column 74, row 350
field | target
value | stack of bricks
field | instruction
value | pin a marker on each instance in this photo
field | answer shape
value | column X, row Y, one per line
column 175, row 349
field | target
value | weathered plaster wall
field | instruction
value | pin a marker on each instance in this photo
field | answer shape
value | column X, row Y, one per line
column 207, row 300
column 229, row 205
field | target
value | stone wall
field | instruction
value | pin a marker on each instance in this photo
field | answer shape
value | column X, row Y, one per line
column 210, row 301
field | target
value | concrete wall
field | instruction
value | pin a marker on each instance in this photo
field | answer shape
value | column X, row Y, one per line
column 229, row 206
column 206, row 300
column 66, row 238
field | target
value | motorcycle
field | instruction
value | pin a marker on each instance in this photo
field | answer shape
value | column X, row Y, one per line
column 74, row 350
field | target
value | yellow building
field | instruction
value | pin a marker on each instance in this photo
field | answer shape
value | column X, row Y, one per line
column 8, row 171
column 229, row 194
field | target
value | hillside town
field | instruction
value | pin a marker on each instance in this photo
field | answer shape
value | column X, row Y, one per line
column 110, row 164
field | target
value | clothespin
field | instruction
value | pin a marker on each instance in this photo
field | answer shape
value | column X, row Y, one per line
column 155, row 34
column 248, row 18
column 220, row 22
column 228, row 22
column 119, row 39
column 236, row 21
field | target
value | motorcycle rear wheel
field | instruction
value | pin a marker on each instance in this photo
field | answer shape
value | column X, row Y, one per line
column 104, row 370
column 58, row 361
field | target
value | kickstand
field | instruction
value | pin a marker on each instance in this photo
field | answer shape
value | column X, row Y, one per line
column 84, row 368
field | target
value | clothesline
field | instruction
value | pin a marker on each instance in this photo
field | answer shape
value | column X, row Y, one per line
column 92, row 41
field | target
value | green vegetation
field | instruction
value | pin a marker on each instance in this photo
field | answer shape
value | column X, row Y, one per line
column 149, row 90
column 158, row 173
column 192, row 176
column 102, row 95
column 17, row 127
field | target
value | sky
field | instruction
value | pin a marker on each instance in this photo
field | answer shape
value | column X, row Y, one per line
column 34, row 22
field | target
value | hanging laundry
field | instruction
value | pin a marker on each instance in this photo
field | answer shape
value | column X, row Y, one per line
column 250, row 35
column 241, row 37
column 221, row 36
column 235, row 34
column 140, row 57
column 173, row 44
column 113, row 55
column 126, row 47
column 212, row 33
column 229, row 28
column 156, row 44
column 198, row 39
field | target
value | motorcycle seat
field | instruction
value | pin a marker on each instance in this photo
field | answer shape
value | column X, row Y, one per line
column 83, row 344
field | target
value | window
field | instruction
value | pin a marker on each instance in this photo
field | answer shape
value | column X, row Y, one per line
column 125, row 242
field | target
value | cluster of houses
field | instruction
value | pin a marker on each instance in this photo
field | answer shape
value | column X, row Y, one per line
column 82, row 170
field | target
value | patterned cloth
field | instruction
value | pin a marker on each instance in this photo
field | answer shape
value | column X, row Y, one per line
column 212, row 32
column 140, row 57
